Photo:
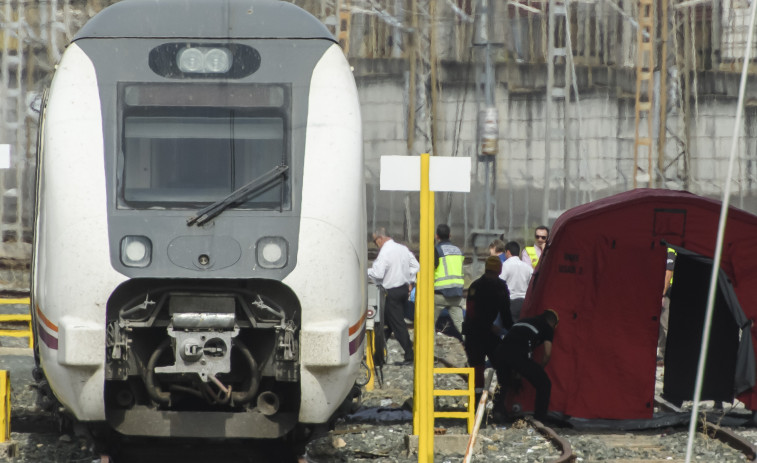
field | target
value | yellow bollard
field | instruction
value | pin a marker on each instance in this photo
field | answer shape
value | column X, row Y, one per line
column 5, row 416
column 370, row 348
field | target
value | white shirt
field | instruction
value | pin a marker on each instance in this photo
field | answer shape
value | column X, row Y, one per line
column 394, row 266
column 517, row 274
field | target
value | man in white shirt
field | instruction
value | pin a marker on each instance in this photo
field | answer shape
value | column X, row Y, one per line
column 394, row 269
column 517, row 274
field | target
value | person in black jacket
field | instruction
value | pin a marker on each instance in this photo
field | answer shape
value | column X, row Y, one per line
column 515, row 354
column 488, row 297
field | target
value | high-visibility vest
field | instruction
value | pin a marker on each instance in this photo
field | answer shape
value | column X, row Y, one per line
column 449, row 273
column 532, row 254
column 676, row 254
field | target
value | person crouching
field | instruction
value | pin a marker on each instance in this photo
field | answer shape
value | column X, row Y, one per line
column 515, row 355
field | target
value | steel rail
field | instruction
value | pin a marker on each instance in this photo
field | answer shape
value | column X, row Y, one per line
column 715, row 431
column 559, row 442
column 731, row 438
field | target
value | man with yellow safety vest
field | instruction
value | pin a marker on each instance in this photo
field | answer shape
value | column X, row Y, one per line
column 448, row 278
column 531, row 254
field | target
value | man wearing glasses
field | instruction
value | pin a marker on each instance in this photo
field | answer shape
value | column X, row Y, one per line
column 531, row 254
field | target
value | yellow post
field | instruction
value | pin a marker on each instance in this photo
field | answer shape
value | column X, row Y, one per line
column 370, row 348
column 5, row 415
column 424, row 329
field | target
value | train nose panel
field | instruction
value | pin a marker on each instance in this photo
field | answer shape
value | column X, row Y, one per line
column 204, row 252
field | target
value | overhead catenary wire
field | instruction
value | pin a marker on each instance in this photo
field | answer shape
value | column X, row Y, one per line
column 721, row 234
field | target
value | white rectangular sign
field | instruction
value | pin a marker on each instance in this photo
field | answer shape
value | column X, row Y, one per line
column 5, row 156
column 403, row 173
column 400, row 173
column 448, row 173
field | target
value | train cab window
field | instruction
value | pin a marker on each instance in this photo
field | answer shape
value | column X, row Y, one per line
column 188, row 156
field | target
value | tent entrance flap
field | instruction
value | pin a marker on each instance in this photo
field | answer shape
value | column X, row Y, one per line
column 688, row 306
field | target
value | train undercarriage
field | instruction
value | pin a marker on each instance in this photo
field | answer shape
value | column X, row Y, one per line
column 199, row 359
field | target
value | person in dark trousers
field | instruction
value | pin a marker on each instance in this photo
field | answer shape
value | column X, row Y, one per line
column 448, row 278
column 394, row 269
column 488, row 297
column 515, row 355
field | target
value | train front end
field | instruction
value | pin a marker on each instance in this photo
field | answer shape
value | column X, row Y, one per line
column 199, row 253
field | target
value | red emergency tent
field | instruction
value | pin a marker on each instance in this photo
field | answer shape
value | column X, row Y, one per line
column 603, row 272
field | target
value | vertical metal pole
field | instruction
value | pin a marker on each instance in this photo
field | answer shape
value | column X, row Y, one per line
column 434, row 80
column 486, row 21
column 412, row 57
column 719, row 241
column 662, row 136
column 548, row 112
column 487, row 215
column 485, row 31
column 424, row 331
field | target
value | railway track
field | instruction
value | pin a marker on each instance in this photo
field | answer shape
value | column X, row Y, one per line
column 714, row 442
column 522, row 442
column 638, row 447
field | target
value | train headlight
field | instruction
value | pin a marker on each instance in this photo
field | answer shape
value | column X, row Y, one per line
column 204, row 60
column 272, row 252
column 217, row 60
column 136, row 251
column 191, row 60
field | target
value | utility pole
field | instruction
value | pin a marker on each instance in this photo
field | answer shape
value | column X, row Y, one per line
column 662, row 136
column 488, row 120
column 412, row 65
column 555, row 98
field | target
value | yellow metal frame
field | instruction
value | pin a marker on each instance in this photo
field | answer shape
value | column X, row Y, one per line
column 5, row 413
column 469, row 415
column 9, row 318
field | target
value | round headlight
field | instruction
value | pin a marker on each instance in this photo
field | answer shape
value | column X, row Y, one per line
column 190, row 60
column 272, row 252
column 217, row 60
column 136, row 251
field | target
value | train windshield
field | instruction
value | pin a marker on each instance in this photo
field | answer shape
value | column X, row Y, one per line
column 185, row 146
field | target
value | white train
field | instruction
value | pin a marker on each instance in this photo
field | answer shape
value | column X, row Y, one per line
column 200, row 243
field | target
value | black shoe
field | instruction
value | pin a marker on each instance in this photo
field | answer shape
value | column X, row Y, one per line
column 404, row 362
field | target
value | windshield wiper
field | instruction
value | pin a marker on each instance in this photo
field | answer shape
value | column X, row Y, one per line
column 265, row 180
